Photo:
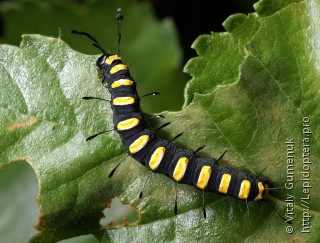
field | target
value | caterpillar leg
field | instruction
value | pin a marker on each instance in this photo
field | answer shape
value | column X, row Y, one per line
column 144, row 185
column 153, row 93
column 198, row 149
column 204, row 205
column 162, row 126
column 93, row 98
column 177, row 136
column 221, row 156
column 156, row 116
column 176, row 200
column 97, row 134
column 116, row 167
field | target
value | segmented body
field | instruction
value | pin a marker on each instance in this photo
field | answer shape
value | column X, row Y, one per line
column 161, row 156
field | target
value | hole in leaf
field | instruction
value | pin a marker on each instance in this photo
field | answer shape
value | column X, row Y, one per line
column 18, row 211
column 117, row 213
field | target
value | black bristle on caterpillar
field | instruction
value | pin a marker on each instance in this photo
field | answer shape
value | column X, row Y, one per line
column 158, row 155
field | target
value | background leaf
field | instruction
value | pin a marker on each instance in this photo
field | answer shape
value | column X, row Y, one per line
column 142, row 35
column 264, row 85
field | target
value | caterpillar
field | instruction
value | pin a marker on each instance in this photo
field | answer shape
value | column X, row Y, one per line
column 158, row 155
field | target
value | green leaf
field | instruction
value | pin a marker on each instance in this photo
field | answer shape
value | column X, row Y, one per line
column 266, row 8
column 271, row 92
column 27, row 110
column 18, row 187
column 251, row 92
column 216, row 53
column 142, row 34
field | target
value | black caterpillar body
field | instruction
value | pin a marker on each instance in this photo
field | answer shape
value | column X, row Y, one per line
column 161, row 156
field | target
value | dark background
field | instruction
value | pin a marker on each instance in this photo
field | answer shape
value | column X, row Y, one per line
column 206, row 15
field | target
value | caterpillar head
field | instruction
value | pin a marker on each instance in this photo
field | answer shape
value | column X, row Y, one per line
column 101, row 61
column 108, row 60
column 111, row 66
